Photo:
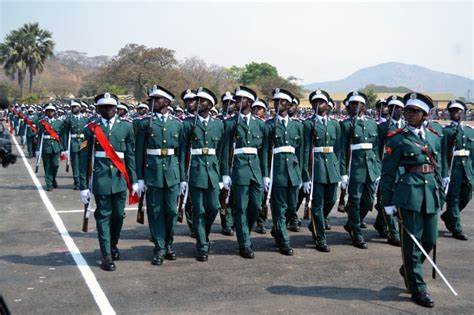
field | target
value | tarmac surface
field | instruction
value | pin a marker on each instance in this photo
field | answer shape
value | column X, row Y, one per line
column 48, row 266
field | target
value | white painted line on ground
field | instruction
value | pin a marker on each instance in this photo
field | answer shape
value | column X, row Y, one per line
column 92, row 210
column 91, row 281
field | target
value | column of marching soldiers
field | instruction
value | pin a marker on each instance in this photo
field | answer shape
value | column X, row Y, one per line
column 195, row 163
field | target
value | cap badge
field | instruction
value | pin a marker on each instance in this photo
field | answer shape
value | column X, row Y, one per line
column 107, row 95
column 413, row 96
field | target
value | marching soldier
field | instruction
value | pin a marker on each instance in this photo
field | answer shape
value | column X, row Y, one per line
column 157, row 144
column 122, row 111
column 113, row 142
column 247, row 135
column 416, row 195
column 381, row 106
column 458, row 150
column 321, row 177
column 203, row 137
column 359, row 165
column 49, row 130
column 31, row 130
column 384, row 224
column 286, row 136
column 73, row 136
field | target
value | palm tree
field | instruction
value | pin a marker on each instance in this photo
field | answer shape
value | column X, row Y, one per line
column 40, row 46
column 12, row 55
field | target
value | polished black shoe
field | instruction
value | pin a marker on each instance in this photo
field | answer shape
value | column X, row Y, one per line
column 202, row 256
column 227, row 231
column 460, row 236
column 76, row 187
column 157, row 260
column 394, row 242
column 107, row 264
column 171, row 255
column 363, row 225
column 286, row 250
column 247, row 253
column 260, row 229
column 360, row 244
column 115, row 253
column 423, row 298
column 327, row 227
column 323, row 247
column 49, row 188
column 294, row 227
column 55, row 184
column 402, row 273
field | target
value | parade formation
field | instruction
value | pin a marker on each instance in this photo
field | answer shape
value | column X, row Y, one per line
column 242, row 160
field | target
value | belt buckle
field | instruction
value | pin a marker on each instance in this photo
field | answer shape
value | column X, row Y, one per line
column 326, row 150
column 205, row 151
column 164, row 151
column 462, row 152
column 425, row 168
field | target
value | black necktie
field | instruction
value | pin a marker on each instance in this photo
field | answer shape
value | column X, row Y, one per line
column 204, row 122
column 163, row 119
column 245, row 119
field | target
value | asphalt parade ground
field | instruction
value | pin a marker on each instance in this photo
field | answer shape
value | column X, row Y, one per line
column 48, row 266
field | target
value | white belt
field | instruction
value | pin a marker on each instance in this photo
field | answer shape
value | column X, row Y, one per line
column 47, row 137
column 361, row 146
column 160, row 151
column 462, row 152
column 203, row 151
column 245, row 150
column 284, row 149
column 77, row 136
column 102, row 154
column 323, row 150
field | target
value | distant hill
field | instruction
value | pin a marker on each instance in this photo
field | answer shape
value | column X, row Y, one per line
column 394, row 74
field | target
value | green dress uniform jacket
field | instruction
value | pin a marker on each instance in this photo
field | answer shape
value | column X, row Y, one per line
column 51, row 150
column 74, row 125
column 417, row 194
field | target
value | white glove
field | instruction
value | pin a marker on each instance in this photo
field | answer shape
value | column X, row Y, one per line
column 135, row 189
column 377, row 180
column 307, row 187
column 446, row 182
column 226, row 181
column 300, row 185
column 141, row 187
column 37, row 153
column 221, row 185
column 344, row 181
column 85, row 196
column 182, row 188
column 266, row 183
column 390, row 210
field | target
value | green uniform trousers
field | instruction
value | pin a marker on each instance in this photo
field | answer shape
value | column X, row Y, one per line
column 459, row 195
column 205, row 209
column 283, row 199
column 227, row 221
column 425, row 228
column 109, row 216
column 246, row 208
column 30, row 143
column 188, row 211
column 74, row 161
column 161, row 208
column 361, row 198
column 50, row 166
column 324, row 196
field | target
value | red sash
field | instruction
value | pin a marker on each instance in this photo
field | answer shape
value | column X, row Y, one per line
column 50, row 130
column 105, row 144
column 28, row 121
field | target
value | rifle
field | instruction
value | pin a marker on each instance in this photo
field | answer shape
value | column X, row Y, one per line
column 341, row 207
column 68, row 151
column 90, row 171
column 141, row 212
column 451, row 153
column 269, row 193
column 38, row 159
column 309, row 203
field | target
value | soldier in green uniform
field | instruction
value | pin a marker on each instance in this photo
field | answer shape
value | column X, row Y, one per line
column 384, row 224
column 206, row 134
column 458, row 150
column 52, row 146
column 417, row 192
column 361, row 169
column 73, row 136
column 322, row 137
column 30, row 132
column 228, row 109
column 156, row 154
column 286, row 138
column 109, row 185
column 247, row 135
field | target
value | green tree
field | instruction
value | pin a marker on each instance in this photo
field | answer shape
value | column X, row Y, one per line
column 255, row 71
column 13, row 57
column 31, row 99
column 371, row 96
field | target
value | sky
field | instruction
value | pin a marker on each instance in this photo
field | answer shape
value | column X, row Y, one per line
column 313, row 41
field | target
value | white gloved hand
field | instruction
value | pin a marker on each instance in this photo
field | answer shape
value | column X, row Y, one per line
column 141, row 187
column 266, row 183
column 300, row 185
column 226, row 181
column 85, row 196
column 390, row 210
column 307, row 187
column 221, row 185
column 344, row 181
column 182, row 188
column 446, row 182
column 37, row 153
column 135, row 189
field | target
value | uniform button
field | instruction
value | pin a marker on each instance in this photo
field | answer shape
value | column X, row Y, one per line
column 462, row 162
column 205, row 133
column 207, row 141
column 152, row 135
column 463, row 145
column 110, row 134
column 164, row 141
column 326, row 160
column 286, row 141
column 207, row 163
column 164, row 129
column 411, row 154
column 327, row 133
column 164, row 165
column 248, row 132
column 427, row 159
column 287, row 159
column 365, row 138
column 111, row 166
column 426, row 182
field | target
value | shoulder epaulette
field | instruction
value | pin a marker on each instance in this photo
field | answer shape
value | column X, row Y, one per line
column 396, row 131
column 434, row 131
